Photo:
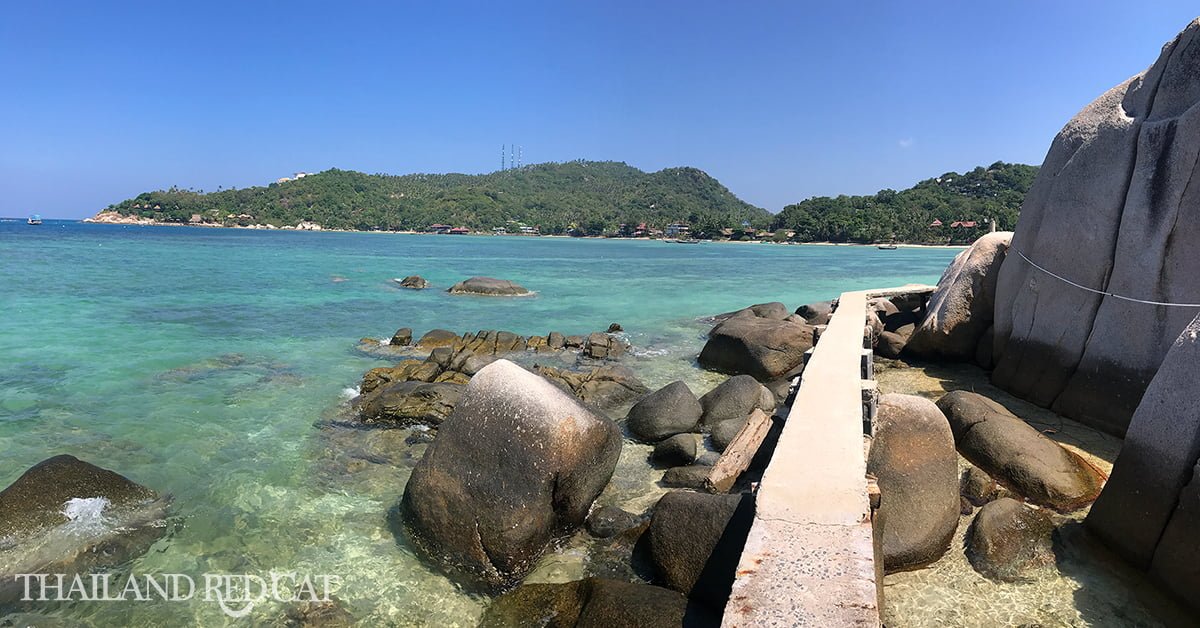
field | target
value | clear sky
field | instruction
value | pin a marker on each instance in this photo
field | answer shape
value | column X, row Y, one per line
column 778, row 100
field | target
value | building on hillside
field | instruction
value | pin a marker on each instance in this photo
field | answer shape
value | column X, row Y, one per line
column 677, row 230
column 964, row 224
column 935, row 223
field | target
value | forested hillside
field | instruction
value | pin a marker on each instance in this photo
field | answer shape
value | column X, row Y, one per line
column 589, row 197
column 978, row 196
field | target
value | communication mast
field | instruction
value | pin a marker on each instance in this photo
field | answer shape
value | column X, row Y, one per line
column 502, row 164
column 520, row 150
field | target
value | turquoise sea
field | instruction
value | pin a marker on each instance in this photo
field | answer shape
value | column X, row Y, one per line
column 206, row 363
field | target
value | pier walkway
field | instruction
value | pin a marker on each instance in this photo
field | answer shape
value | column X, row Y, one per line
column 809, row 559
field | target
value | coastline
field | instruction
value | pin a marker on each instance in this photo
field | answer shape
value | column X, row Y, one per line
column 110, row 218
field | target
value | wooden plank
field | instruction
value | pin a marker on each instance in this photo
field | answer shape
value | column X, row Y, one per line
column 740, row 452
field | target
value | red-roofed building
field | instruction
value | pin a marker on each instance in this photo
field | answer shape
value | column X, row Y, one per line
column 935, row 223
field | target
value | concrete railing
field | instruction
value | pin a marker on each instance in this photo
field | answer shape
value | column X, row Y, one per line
column 809, row 559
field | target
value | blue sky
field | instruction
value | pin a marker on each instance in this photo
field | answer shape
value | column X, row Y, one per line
column 778, row 100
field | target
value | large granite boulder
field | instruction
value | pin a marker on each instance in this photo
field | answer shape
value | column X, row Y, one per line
column 961, row 308
column 695, row 541
column 672, row 409
column 516, row 464
column 1153, row 481
column 594, row 602
column 1111, row 209
column 64, row 515
column 913, row 458
column 488, row 286
column 735, row 398
column 1017, row 455
column 1008, row 540
column 1177, row 557
column 816, row 313
column 403, row 404
column 761, row 347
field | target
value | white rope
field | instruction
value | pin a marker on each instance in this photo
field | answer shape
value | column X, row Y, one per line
column 1101, row 292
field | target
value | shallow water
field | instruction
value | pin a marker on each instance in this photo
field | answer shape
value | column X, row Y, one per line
column 1086, row 586
column 205, row 363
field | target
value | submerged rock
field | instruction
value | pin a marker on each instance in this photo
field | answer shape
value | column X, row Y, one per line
column 763, row 348
column 597, row 602
column 690, row 476
column 914, row 461
column 608, row 521
column 412, row 282
column 488, row 286
column 677, row 450
column 670, row 410
column 516, row 464
column 1017, row 455
column 64, row 515
column 1008, row 540
column 695, row 541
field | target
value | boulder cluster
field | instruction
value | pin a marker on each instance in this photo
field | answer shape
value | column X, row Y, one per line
column 1021, row 478
column 424, row 392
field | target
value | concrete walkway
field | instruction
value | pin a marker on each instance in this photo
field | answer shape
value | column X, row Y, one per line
column 810, row 557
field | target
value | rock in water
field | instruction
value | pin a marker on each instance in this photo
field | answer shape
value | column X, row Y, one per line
column 670, row 410
column 1147, row 488
column 1008, row 540
column 913, row 459
column 761, row 347
column 402, row 337
column 604, row 346
column 594, row 602
column 695, row 541
column 735, row 398
column 402, row 404
column 516, row 464
column 435, row 338
column 488, row 286
column 413, row 282
column 608, row 521
column 677, row 450
column 1111, row 209
column 64, row 515
column 1017, row 455
column 960, row 309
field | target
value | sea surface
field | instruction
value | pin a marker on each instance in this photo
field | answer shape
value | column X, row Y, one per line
column 208, row 364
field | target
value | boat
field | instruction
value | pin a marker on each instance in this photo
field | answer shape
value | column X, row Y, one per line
column 35, row 220
column 682, row 241
column 887, row 247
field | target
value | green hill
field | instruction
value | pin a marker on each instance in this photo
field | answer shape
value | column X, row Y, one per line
column 983, row 194
column 591, row 197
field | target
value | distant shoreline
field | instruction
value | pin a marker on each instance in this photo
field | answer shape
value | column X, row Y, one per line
column 148, row 222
